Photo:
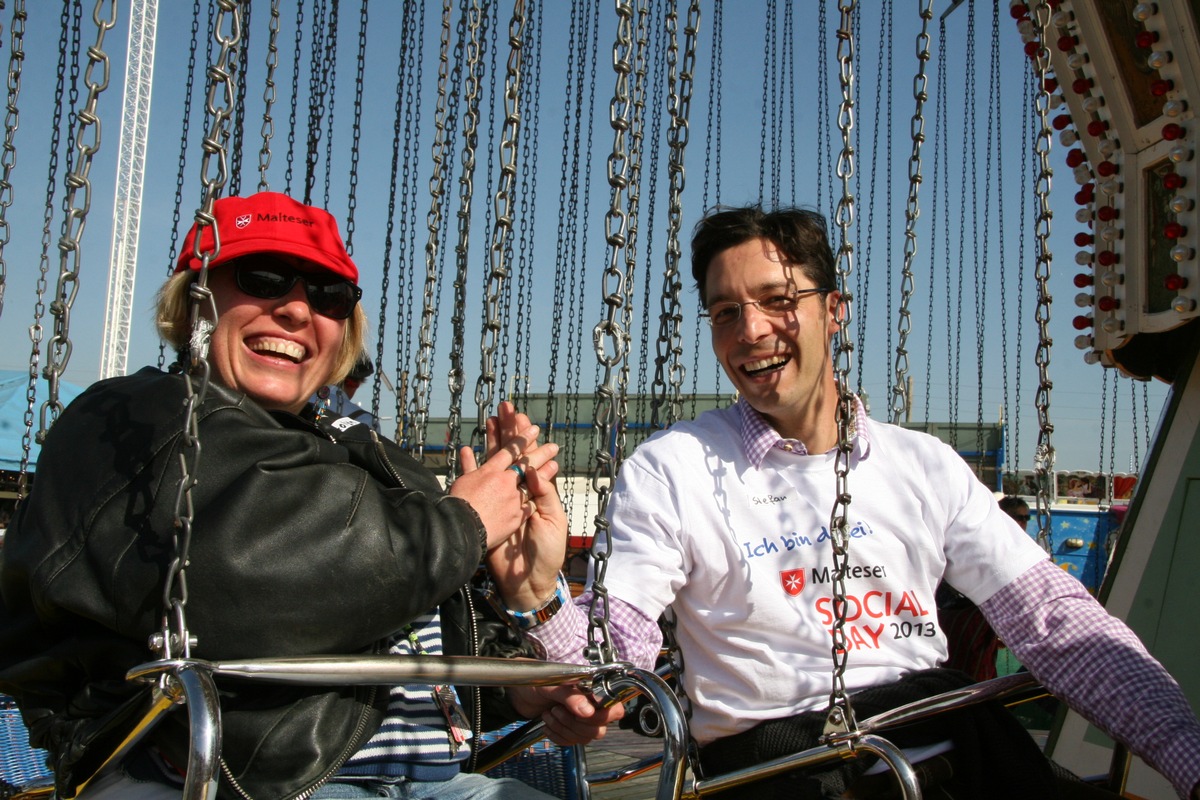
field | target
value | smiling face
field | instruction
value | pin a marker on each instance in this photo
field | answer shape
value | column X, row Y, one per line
column 277, row 351
column 780, row 364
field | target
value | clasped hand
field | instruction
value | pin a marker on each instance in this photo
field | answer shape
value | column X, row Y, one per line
column 520, row 508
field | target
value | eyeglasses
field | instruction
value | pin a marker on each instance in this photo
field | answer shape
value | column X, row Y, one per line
column 726, row 313
column 270, row 279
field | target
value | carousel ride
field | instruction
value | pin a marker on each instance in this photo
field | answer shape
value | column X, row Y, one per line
column 1102, row 88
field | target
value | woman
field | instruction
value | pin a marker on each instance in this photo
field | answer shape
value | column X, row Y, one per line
column 308, row 536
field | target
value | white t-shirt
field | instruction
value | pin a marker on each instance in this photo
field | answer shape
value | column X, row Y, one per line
column 743, row 555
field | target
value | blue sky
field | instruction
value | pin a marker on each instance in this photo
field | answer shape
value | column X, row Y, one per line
column 973, row 268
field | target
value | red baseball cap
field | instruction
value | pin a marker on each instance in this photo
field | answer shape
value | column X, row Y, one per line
column 269, row 222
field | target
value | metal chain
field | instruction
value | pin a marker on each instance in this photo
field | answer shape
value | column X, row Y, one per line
column 466, row 189
column 181, row 169
column 502, row 227
column 87, row 142
column 39, row 308
column 1044, row 455
column 239, row 69
column 912, row 211
column 609, row 336
column 530, row 146
column 939, row 191
column 1137, row 457
column 293, row 108
column 174, row 639
column 8, row 158
column 360, row 64
column 269, row 97
column 668, row 345
column 840, row 715
column 423, row 367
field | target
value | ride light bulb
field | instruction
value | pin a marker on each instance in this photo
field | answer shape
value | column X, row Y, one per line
column 1091, row 357
column 1112, row 278
column 1144, row 11
column 1162, row 87
column 1107, row 258
column 1179, row 154
column 1174, row 108
column 1172, row 131
column 1081, row 322
column 1172, row 181
column 1181, row 253
column 1108, row 303
column 1181, row 203
column 1175, row 282
column 1083, row 341
column 1158, row 59
column 1174, row 230
column 1083, row 280
column 1112, row 325
column 1083, row 300
column 1183, row 305
column 1083, row 258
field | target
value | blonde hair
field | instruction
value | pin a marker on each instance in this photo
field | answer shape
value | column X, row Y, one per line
column 173, row 312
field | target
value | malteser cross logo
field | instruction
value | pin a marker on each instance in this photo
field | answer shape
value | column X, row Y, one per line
column 243, row 220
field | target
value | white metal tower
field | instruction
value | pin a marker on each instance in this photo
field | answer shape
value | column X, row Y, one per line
column 131, row 169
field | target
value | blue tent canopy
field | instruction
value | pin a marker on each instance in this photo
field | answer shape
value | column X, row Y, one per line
column 14, row 385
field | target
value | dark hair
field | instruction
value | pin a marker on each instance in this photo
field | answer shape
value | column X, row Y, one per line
column 1010, row 502
column 800, row 235
column 362, row 369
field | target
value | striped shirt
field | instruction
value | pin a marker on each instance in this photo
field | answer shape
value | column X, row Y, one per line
column 413, row 740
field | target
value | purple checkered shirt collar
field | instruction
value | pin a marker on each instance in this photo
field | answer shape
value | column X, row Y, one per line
column 758, row 437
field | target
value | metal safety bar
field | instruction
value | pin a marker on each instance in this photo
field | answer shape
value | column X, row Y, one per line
column 195, row 681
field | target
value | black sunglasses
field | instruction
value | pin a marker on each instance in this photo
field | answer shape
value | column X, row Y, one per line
column 269, row 279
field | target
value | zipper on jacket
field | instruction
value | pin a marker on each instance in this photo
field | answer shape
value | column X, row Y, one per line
column 476, row 693
column 343, row 757
column 383, row 458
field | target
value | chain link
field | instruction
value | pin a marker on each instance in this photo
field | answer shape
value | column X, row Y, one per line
column 1044, row 455
column 419, row 408
column 502, row 228
column 679, row 100
column 610, row 336
column 269, row 97
column 466, row 190
column 87, row 142
column 912, row 211
column 39, row 308
column 8, row 158
column 840, row 716
column 174, row 640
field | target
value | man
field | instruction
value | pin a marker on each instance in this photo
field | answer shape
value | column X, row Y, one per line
column 725, row 519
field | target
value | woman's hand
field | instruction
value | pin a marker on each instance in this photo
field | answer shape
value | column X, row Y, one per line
column 506, row 488
column 525, row 566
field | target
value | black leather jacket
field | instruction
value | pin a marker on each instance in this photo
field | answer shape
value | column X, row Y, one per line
column 306, row 540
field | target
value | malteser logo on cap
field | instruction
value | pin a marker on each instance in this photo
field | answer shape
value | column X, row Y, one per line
column 243, row 220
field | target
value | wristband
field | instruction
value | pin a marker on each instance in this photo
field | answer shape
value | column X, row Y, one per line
column 525, row 620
